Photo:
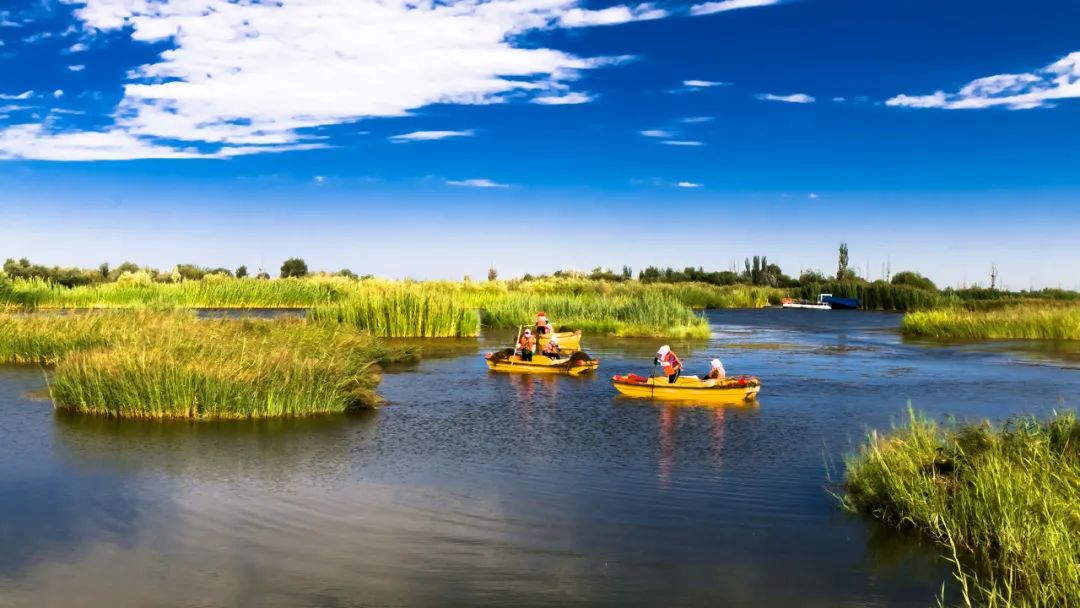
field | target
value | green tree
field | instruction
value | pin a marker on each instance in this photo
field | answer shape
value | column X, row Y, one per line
column 913, row 279
column 348, row 274
column 842, row 266
column 493, row 275
column 104, row 270
column 294, row 267
column 241, row 272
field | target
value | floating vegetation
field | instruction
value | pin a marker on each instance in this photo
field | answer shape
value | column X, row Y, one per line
column 1028, row 322
column 1002, row 502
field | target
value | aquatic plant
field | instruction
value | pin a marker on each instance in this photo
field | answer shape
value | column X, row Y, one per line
column 1030, row 322
column 1002, row 502
column 403, row 313
column 172, row 365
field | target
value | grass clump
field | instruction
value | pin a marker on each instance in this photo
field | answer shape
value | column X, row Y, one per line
column 1003, row 502
column 153, row 365
column 1044, row 322
column 403, row 313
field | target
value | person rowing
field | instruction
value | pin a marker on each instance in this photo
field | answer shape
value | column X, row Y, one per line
column 526, row 346
column 672, row 366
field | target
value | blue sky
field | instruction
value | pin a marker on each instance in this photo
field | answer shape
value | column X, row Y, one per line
column 431, row 140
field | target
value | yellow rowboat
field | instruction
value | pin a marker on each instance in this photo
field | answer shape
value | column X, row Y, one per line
column 505, row 361
column 690, row 388
column 568, row 340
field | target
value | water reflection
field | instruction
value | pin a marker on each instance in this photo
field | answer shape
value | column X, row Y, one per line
column 273, row 453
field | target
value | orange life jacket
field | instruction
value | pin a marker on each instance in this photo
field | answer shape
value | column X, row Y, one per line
column 671, row 362
column 526, row 343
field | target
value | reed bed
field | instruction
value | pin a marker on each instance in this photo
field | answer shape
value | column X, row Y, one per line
column 153, row 365
column 403, row 313
column 1043, row 322
column 1003, row 502
column 643, row 316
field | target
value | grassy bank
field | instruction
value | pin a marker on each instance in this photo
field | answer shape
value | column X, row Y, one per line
column 148, row 365
column 1026, row 322
column 1003, row 502
column 431, row 309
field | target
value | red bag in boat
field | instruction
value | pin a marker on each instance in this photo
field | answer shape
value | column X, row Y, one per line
column 636, row 379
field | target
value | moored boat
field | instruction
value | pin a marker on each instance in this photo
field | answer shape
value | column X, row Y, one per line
column 690, row 388
column 574, row 365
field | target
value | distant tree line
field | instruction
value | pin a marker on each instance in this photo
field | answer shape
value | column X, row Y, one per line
column 74, row 277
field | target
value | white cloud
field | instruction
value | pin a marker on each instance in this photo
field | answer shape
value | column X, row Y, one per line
column 58, row 93
column 20, row 96
column 709, row 8
column 571, row 98
column 319, row 180
column 688, row 185
column 35, row 142
column 429, row 136
column 690, row 120
column 795, row 98
column 656, row 133
column 1059, row 80
column 476, row 183
column 839, row 99
column 579, row 17
column 76, row 68
column 703, row 84
column 681, row 142
column 248, row 76
column 814, row 195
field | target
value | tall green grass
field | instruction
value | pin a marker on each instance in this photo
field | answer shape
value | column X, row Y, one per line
column 152, row 365
column 1003, row 502
column 1045, row 322
column 403, row 313
column 643, row 316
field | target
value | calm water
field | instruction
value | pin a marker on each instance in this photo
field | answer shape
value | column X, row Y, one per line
column 481, row 489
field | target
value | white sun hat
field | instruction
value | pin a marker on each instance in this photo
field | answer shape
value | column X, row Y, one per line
column 665, row 349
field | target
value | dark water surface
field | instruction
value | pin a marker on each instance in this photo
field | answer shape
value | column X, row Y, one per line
column 475, row 488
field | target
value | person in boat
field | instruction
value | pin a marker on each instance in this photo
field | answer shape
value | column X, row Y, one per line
column 551, row 349
column 543, row 326
column 716, row 372
column 526, row 346
column 672, row 366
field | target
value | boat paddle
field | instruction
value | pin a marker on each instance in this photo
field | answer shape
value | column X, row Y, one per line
column 652, row 379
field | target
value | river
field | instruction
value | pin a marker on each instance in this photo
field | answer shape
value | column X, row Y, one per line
column 481, row 489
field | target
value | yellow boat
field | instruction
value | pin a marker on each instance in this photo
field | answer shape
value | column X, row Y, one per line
column 575, row 365
column 690, row 388
column 568, row 340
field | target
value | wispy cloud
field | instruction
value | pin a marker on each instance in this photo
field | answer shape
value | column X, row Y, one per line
column 613, row 15
column 656, row 133
column 268, row 88
column 691, row 86
column 1038, row 89
column 23, row 95
column 813, row 195
column 794, row 98
column 681, row 142
column 709, row 8
column 688, row 185
column 76, row 68
column 429, row 136
column 319, row 180
column 704, row 84
column 565, row 99
column 690, row 120
column 476, row 183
